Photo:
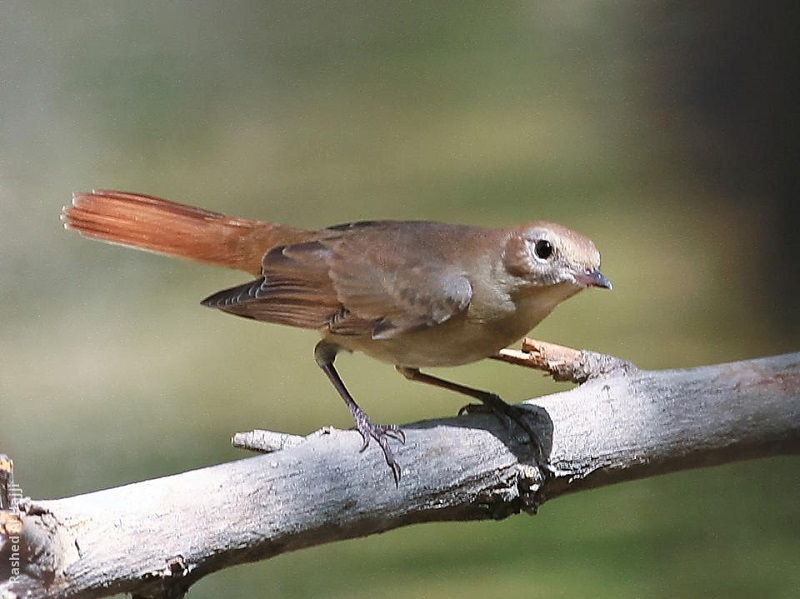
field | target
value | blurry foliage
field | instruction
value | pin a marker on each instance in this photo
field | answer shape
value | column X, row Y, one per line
column 664, row 131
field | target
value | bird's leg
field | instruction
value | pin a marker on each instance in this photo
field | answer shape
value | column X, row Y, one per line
column 491, row 403
column 325, row 353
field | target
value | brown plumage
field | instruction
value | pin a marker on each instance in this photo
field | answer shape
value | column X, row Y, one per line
column 414, row 293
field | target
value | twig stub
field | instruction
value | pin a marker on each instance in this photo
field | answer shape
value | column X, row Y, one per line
column 265, row 441
column 563, row 363
column 6, row 481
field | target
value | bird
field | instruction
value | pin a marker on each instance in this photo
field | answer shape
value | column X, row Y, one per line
column 413, row 294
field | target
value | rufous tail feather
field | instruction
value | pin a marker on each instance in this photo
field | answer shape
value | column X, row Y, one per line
column 165, row 227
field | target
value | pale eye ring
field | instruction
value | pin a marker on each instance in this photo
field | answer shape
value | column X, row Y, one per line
column 543, row 249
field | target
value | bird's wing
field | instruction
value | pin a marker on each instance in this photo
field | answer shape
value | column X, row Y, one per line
column 388, row 277
column 363, row 278
column 295, row 289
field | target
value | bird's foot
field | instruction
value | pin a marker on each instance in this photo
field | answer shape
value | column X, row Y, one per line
column 508, row 415
column 381, row 433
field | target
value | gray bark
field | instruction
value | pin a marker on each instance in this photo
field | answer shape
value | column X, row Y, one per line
column 155, row 538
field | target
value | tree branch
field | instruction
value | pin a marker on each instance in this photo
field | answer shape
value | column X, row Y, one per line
column 155, row 538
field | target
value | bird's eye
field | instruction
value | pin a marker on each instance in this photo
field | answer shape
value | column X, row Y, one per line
column 543, row 249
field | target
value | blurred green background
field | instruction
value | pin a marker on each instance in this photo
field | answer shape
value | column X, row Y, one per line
column 667, row 132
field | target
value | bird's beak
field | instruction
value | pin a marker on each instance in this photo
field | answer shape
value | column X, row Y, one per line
column 593, row 278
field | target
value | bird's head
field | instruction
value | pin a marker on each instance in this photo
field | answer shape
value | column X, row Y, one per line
column 544, row 254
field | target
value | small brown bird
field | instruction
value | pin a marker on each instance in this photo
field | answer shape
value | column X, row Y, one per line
column 414, row 294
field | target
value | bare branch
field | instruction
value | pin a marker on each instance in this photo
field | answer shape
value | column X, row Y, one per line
column 155, row 538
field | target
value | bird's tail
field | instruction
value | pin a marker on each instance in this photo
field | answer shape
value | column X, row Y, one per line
column 164, row 227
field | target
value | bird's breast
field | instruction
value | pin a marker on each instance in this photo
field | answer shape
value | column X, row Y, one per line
column 479, row 332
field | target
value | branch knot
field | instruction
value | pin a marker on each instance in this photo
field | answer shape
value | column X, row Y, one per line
column 518, row 489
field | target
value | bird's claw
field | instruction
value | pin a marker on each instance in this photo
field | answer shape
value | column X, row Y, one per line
column 508, row 415
column 381, row 433
column 482, row 408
